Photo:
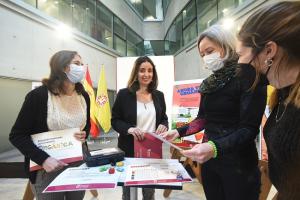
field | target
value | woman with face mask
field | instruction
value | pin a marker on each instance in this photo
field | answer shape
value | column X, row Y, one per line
column 231, row 114
column 60, row 103
column 270, row 40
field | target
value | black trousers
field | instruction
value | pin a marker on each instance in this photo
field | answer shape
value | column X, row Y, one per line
column 223, row 180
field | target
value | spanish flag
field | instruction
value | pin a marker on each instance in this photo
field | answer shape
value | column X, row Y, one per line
column 88, row 86
column 102, row 111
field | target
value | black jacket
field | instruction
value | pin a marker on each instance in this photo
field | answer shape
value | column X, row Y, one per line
column 32, row 119
column 233, row 115
column 124, row 114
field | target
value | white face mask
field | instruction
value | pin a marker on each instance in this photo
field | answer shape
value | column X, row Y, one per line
column 213, row 61
column 76, row 73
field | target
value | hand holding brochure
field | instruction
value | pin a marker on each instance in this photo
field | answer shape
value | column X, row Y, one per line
column 165, row 141
column 150, row 147
column 61, row 145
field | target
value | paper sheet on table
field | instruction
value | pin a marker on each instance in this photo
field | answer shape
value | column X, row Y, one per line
column 154, row 172
column 83, row 178
column 61, row 145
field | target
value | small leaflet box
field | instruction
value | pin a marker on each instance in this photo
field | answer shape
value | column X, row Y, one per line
column 103, row 157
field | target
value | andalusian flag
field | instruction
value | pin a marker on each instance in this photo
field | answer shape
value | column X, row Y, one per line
column 88, row 86
column 102, row 111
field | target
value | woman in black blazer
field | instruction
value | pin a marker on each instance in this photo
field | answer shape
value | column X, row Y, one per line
column 137, row 108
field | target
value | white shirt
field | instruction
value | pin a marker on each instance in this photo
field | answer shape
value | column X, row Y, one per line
column 146, row 116
column 66, row 111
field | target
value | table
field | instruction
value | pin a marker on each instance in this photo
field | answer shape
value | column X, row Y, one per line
column 135, row 173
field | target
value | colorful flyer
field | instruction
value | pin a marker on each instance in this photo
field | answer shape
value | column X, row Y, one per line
column 83, row 178
column 61, row 145
column 156, row 172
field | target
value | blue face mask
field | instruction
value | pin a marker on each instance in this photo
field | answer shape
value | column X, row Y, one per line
column 76, row 73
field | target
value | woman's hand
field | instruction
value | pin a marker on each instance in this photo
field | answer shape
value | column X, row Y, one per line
column 80, row 136
column 137, row 133
column 200, row 153
column 160, row 129
column 51, row 164
column 170, row 135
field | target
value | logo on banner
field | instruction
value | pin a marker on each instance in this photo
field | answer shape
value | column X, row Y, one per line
column 101, row 100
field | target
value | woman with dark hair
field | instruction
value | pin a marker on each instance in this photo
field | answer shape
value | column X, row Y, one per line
column 60, row 103
column 231, row 114
column 139, row 107
column 270, row 41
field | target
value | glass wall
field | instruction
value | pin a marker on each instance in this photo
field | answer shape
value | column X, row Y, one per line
column 189, row 22
column 138, row 6
column 60, row 9
column 225, row 6
column 154, row 47
column 206, row 14
column 174, row 36
column 153, row 10
column 195, row 17
column 84, row 18
column 150, row 10
column 119, row 36
column 134, row 44
column 92, row 18
column 31, row 2
column 165, row 6
column 104, row 25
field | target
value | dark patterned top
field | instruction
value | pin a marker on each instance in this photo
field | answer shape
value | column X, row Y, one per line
column 282, row 136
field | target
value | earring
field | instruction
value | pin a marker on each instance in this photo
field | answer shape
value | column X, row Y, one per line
column 269, row 62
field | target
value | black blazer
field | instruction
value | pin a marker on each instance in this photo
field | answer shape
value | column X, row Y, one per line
column 233, row 115
column 124, row 114
column 32, row 119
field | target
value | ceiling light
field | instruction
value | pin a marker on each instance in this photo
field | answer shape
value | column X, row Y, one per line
column 228, row 23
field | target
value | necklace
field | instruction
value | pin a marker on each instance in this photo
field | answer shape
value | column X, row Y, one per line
column 278, row 118
column 281, row 98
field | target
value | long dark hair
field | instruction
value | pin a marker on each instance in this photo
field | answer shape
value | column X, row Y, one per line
column 133, row 83
column 58, row 62
column 279, row 23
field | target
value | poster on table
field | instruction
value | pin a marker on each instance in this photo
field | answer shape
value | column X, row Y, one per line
column 156, row 171
column 83, row 178
column 186, row 101
column 61, row 145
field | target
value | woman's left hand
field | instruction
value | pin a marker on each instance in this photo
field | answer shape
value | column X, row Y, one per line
column 200, row 153
column 80, row 136
column 160, row 129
